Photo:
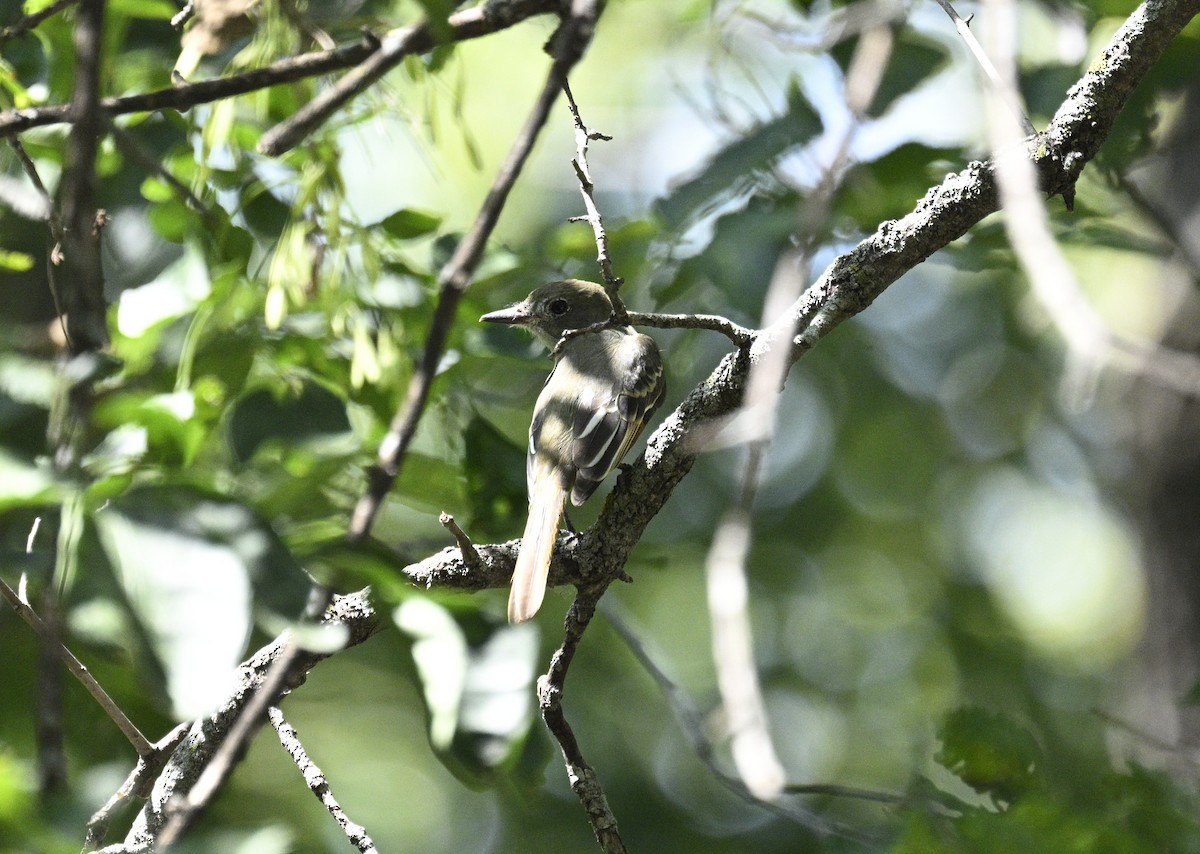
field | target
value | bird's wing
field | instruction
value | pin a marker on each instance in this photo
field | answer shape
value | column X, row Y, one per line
column 611, row 414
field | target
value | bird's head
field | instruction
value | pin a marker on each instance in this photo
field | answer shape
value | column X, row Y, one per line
column 556, row 307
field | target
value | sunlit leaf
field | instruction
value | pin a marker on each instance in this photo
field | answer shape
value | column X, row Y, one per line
column 406, row 224
column 477, row 677
column 730, row 168
column 195, row 569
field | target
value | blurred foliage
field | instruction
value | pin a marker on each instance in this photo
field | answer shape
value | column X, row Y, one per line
column 946, row 575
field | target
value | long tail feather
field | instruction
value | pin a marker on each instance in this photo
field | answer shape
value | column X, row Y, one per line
column 533, row 561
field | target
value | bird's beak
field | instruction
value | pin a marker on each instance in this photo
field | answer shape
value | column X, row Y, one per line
column 515, row 314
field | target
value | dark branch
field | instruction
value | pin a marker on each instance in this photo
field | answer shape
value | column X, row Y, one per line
column 500, row 15
column 29, row 22
column 81, row 288
column 466, row 24
column 568, row 45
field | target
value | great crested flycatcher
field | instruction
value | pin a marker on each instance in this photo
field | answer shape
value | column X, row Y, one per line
column 604, row 386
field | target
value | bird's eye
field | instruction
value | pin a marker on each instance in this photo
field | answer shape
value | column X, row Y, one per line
column 559, row 307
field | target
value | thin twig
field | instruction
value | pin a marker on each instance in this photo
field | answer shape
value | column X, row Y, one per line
column 29, row 22
column 356, row 834
column 45, row 211
column 53, row 222
column 1171, row 228
column 1006, row 90
column 583, row 137
column 462, row 25
column 738, row 334
column 184, row 96
column 135, row 785
column 135, row 150
column 140, row 743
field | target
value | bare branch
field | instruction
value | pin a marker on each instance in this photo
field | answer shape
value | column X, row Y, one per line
column 464, row 24
column 81, row 288
column 29, row 22
column 287, row 666
column 1060, row 153
column 208, row 735
column 583, row 137
column 140, row 743
column 1005, row 89
column 183, row 96
column 470, row 556
column 1091, row 344
column 135, row 785
column 551, row 686
column 739, row 335
column 356, row 834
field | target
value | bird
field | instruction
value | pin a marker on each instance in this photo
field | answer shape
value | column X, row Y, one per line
column 604, row 386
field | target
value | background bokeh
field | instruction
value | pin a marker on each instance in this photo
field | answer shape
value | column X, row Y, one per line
column 972, row 573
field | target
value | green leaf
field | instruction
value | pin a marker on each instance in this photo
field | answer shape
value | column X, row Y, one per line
column 914, row 59
column 294, row 417
column 406, row 223
column 152, row 10
column 477, row 678
column 196, row 569
column 15, row 262
column 890, row 186
column 731, row 168
column 171, row 430
column 989, row 752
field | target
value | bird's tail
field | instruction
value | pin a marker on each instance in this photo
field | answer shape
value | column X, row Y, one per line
column 533, row 561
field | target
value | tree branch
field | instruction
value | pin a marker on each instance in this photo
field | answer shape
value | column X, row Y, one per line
column 583, row 138
column 739, row 335
column 494, row 16
column 356, row 834
column 29, row 22
column 551, row 687
column 207, row 735
column 82, row 286
column 140, row 743
column 462, row 25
